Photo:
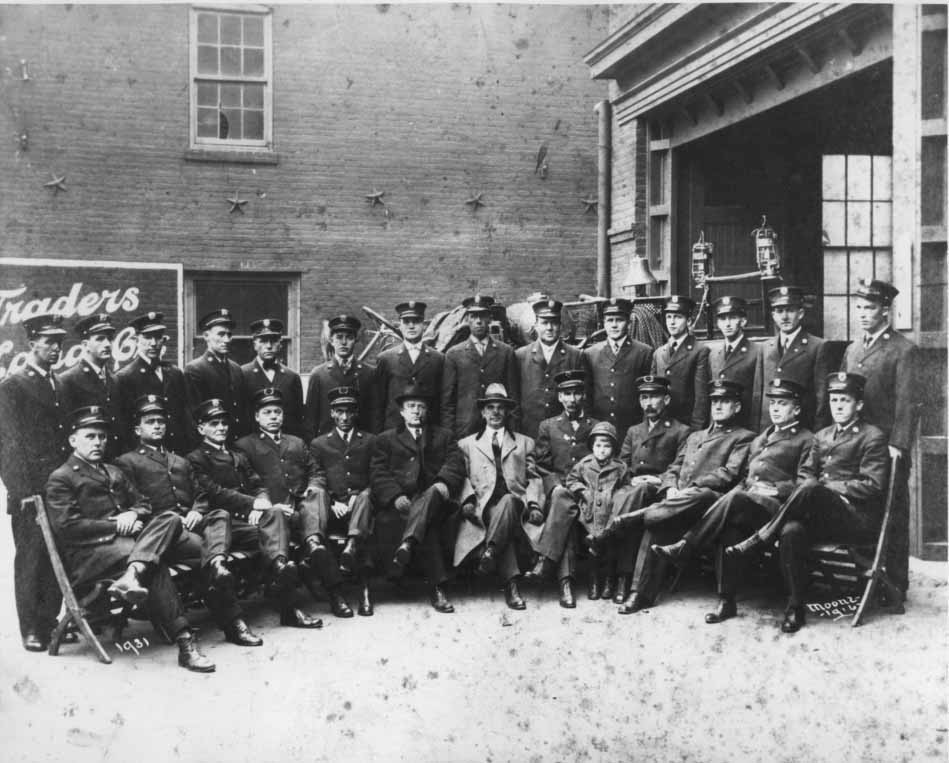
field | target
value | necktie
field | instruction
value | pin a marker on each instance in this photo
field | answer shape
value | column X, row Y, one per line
column 500, row 485
column 780, row 347
column 866, row 341
column 480, row 348
column 673, row 346
column 52, row 381
column 728, row 350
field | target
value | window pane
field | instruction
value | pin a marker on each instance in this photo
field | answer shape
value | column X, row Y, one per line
column 858, row 177
column 835, row 272
column 253, row 30
column 933, row 165
column 883, row 267
column 932, row 290
column 207, row 95
column 858, row 223
column 834, row 177
column 230, row 61
column 207, row 59
column 882, row 223
column 207, row 27
column 253, row 96
column 230, row 95
column 658, row 235
column 834, row 223
column 253, row 62
column 933, row 69
column 657, row 186
column 207, row 123
column 861, row 266
column 230, row 30
column 835, row 317
column 233, row 117
column 882, row 178
column 254, row 125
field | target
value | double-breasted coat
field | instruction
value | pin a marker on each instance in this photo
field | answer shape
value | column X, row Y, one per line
column 614, row 395
column 342, row 467
column 209, row 376
column 538, row 389
column 165, row 478
column 713, row 458
column 688, row 373
column 137, row 378
column 777, row 457
column 286, row 468
column 402, row 466
column 330, row 375
column 648, row 451
column 559, row 447
column 741, row 365
column 807, row 362
column 289, row 384
column 854, row 463
column 395, row 371
column 467, row 375
column 82, row 386
column 227, row 478
column 520, row 477
column 593, row 485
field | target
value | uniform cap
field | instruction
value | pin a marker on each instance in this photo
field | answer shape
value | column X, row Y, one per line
column 266, row 327
column 851, row 384
column 477, row 303
column 571, row 379
column 211, row 409
column 786, row 296
column 617, row 306
column 220, row 317
column 725, row 388
column 267, row 396
column 148, row 323
column 100, row 323
column 726, row 305
column 652, row 383
column 677, row 303
column 411, row 309
column 345, row 323
column 877, row 291
column 343, row 396
column 547, row 308
column 89, row 416
column 49, row 324
column 785, row 388
column 150, row 404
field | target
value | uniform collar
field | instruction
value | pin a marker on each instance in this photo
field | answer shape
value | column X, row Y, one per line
column 38, row 370
column 788, row 339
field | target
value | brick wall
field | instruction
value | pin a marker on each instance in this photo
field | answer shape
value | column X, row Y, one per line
column 428, row 103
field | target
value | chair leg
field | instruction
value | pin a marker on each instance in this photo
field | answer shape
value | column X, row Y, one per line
column 864, row 601
column 56, row 637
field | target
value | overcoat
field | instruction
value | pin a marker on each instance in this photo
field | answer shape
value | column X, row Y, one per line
column 651, row 452
column 227, row 478
column 614, row 395
column 712, row 458
column 466, row 377
column 290, row 386
column 688, row 374
column 743, row 366
column 286, row 468
column 536, row 381
column 209, row 377
column 329, row 375
column 594, row 485
column 806, row 361
column 135, row 379
column 395, row 371
column 342, row 468
column 166, row 478
column 855, row 463
column 402, row 466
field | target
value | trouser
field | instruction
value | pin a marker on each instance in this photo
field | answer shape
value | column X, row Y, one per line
column 558, row 538
column 422, row 522
column 618, row 556
column 270, row 536
column 814, row 514
column 36, row 591
column 502, row 523
column 897, row 551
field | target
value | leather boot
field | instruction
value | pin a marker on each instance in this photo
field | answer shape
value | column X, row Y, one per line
column 725, row 610
column 594, row 591
column 238, row 633
column 403, row 555
column 747, row 546
column 609, row 588
column 622, row 588
column 338, row 605
column 634, row 603
column 129, row 587
column 440, row 601
column 285, row 574
column 189, row 656
column 543, row 570
column 489, row 561
column 347, row 559
column 365, row 601
column 512, row 596
column 292, row 617
column 678, row 553
column 220, row 578
column 794, row 619
column 567, row 601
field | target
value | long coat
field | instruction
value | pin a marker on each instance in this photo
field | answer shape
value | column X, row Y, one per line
column 536, row 381
column 402, row 466
column 712, row 458
column 777, row 458
column 329, row 375
column 520, row 477
column 286, row 467
column 688, row 374
column 342, row 468
column 290, row 386
column 466, row 377
column 855, row 464
column 33, row 438
column 594, row 485
column 207, row 377
column 395, row 371
column 135, row 379
column 807, row 362
column 651, row 452
column 559, row 448
column 743, row 366
column 227, row 478
column 615, row 398
column 81, row 386
column 164, row 478
column 889, row 398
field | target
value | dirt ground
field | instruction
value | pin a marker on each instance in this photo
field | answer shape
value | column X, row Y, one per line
column 487, row 684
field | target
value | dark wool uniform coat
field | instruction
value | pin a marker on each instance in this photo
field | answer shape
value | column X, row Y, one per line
column 342, row 467
column 536, row 381
column 395, row 371
column 466, row 377
column 688, row 374
column 743, row 366
column 714, row 458
column 777, row 457
column 165, row 478
column 806, row 361
column 889, row 397
column 82, row 502
column 329, row 375
column 290, row 386
column 400, row 465
column 209, row 377
column 855, row 463
column 286, row 467
column 615, row 398
column 227, row 478
column 651, row 452
column 81, row 386
column 137, row 378
column 558, row 448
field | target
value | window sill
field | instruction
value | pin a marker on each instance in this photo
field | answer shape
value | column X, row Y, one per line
column 232, row 156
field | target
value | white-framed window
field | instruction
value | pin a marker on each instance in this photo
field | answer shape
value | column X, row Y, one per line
column 231, row 78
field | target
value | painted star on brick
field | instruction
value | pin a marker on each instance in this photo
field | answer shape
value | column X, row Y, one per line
column 475, row 201
column 58, row 183
column 237, row 203
column 375, row 197
column 589, row 204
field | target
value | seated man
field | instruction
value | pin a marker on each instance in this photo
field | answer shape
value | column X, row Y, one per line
column 230, row 483
column 707, row 466
column 341, row 457
column 775, row 465
column 501, row 485
column 99, row 520
column 415, row 468
column 841, row 499
column 289, row 473
column 166, row 480
column 561, row 443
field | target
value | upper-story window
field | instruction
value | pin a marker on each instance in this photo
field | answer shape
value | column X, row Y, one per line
column 231, row 78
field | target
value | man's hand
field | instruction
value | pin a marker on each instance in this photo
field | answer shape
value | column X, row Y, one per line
column 286, row 508
column 645, row 479
column 340, row 509
column 470, row 510
column 191, row 519
column 262, row 504
column 442, row 489
column 764, row 488
column 402, row 504
column 125, row 523
column 536, row 516
column 254, row 517
column 672, row 492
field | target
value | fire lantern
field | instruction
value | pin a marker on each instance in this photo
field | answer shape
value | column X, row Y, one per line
column 766, row 250
column 702, row 267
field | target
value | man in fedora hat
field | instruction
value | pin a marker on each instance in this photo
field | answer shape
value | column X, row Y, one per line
column 148, row 374
column 341, row 369
column 797, row 355
column 473, row 365
column 840, row 500
column 539, row 363
column 105, row 528
column 737, row 358
column 410, row 363
column 776, row 464
column 213, row 375
column 501, row 486
column 415, row 470
column 266, row 371
column 33, row 442
column 683, row 360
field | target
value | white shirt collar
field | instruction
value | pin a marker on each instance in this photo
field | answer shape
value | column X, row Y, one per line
column 344, row 436
column 489, row 434
column 548, row 349
column 788, row 339
column 874, row 337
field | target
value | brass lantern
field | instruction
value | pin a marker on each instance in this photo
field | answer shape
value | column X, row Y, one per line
column 766, row 250
column 702, row 266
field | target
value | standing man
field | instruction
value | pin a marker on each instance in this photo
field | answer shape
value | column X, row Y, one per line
column 33, row 442
column 615, row 364
column 470, row 367
column 416, row 468
column 266, row 371
column 411, row 363
column 501, row 486
column 888, row 361
column 539, row 363
column 794, row 354
column 214, row 375
column 148, row 374
column 341, row 369
column 683, row 360
column 91, row 381
column 737, row 358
